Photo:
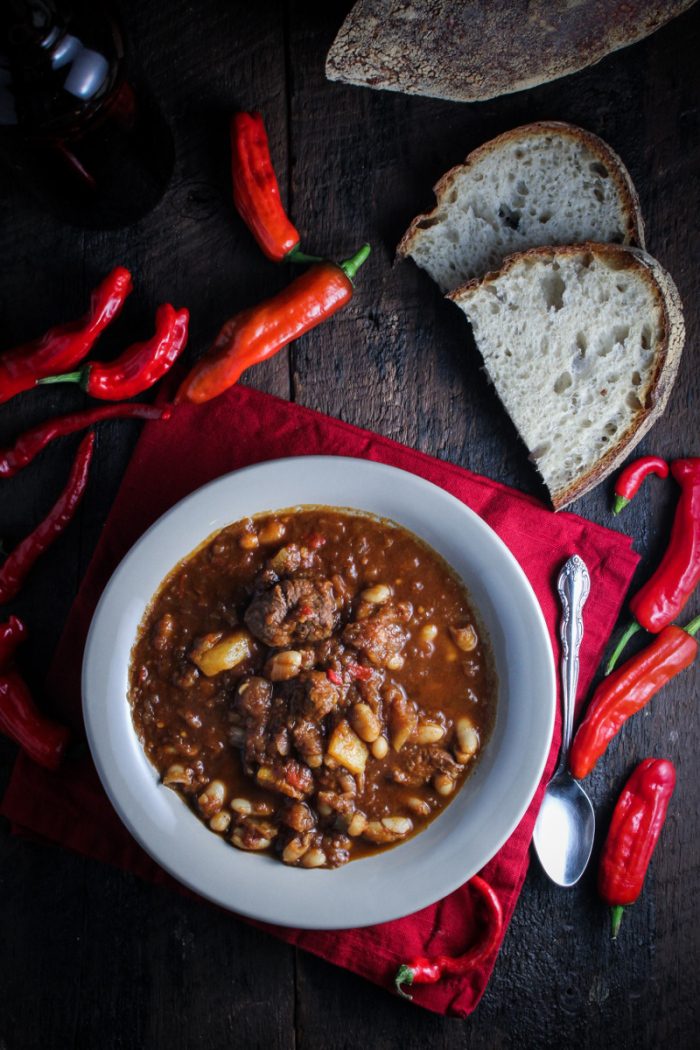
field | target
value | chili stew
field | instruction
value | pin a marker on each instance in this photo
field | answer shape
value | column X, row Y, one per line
column 314, row 683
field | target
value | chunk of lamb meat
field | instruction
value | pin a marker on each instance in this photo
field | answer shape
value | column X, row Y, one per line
column 295, row 610
column 253, row 700
column 415, row 766
column 380, row 636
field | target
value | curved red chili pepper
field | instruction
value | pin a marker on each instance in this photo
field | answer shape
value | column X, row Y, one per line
column 33, row 441
column 44, row 740
column 663, row 597
column 628, row 690
column 256, row 191
column 259, row 332
column 139, row 367
column 629, row 481
column 23, row 557
column 634, row 831
column 66, row 345
column 426, row 971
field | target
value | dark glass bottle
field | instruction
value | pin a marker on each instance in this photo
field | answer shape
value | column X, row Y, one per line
column 80, row 130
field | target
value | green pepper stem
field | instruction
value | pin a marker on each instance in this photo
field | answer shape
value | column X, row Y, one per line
column 295, row 256
column 351, row 266
column 620, row 503
column 632, row 629
column 693, row 626
column 404, row 975
column 616, row 912
column 67, row 377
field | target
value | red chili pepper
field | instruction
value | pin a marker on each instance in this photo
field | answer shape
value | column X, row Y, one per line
column 633, row 475
column 29, row 444
column 334, row 677
column 259, row 332
column 22, row 558
column 663, row 597
column 427, row 971
column 139, row 367
column 256, row 192
column 65, row 346
column 628, row 690
column 358, row 671
column 44, row 740
column 634, row 831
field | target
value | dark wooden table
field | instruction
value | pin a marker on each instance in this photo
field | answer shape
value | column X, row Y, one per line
column 95, row 958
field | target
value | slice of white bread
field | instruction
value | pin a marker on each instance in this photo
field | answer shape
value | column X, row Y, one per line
column 544, row 183
column 582, row 344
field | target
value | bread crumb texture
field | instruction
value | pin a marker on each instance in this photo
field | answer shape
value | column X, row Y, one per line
column 532, row 190
column 572, row 342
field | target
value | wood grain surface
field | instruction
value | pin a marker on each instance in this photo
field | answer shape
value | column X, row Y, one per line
column 91, row 957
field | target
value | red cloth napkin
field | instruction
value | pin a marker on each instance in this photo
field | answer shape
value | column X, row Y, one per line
column 244, row 427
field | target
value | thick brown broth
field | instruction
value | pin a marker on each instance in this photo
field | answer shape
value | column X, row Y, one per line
column 362, row 696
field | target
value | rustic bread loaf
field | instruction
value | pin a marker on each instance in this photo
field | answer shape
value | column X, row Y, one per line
column 544, row 183
column 582, row 344
column 479, row 49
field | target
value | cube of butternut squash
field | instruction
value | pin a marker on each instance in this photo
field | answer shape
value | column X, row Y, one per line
column 213, row 653
column 346, row 747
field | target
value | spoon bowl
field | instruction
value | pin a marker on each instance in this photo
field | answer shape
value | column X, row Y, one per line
column 565, row 825
column 564, row 830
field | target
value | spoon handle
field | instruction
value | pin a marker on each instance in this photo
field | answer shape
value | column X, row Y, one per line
column 573, row 585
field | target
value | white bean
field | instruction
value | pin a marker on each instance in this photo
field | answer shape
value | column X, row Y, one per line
column 379, row 594
column 365, row 723
column 212, row 798
column 294, row 850
column 220, row 821
column 238, row 839
column 357, row 825
column 272, row 532
column 443, row 784
column 429, row 733
column 314, row 858
column 465, row 638
column 283, row 666
column 380, row 747
column 241, row 805
column 177, row 775
column 397, row 825
column 419, row 806
column 467, row 740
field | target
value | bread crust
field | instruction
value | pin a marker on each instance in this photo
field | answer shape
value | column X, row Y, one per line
column 621, row 177
column 456, row 51
column 667, row 361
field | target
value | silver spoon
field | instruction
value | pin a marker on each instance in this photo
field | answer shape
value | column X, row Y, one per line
column 564, row 830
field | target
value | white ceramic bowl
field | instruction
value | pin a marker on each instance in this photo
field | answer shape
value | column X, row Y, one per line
column 475, row 824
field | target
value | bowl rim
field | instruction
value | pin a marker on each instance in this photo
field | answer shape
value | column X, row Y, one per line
column 374, row 891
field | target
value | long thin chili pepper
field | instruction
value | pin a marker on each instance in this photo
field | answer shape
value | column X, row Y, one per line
column 634, row 831
column 66, row 345
column 259, row 332
column 256, row 192
column 33, row 441
column 23, row 557
column 139, row 367
column 426, row 971
column 628, row 690
column 630, row 479
column 44, row 740
column 663, row 597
